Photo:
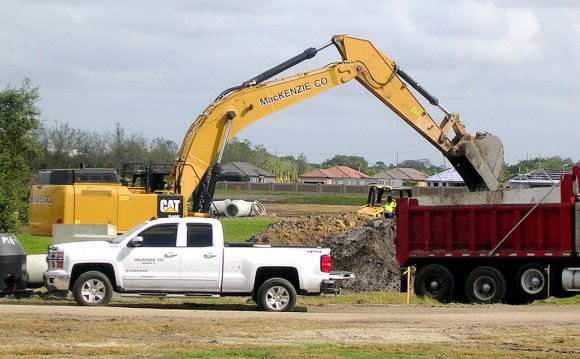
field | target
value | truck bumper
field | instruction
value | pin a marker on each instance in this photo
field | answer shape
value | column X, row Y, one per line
column 334, row 284
column 329, row 286
column 56, row 282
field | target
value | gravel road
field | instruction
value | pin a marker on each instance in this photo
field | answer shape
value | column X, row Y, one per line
column 537, row 331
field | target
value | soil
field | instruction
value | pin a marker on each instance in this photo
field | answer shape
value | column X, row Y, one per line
column 359, row 243
column 497, row 331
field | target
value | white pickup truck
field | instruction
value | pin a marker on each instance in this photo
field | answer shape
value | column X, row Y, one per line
column 187, row 257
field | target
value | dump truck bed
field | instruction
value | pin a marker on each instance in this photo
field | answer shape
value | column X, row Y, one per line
column 475, row 230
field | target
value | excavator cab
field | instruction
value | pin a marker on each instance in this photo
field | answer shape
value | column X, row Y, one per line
column 145, row 178
column 374, row 206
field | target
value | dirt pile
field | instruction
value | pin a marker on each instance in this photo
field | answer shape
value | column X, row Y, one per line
column 309, row 230
column 358, row 245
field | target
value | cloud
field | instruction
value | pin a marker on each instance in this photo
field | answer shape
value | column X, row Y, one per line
column 507, row 67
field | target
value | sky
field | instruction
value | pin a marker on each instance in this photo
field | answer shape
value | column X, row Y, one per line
column 511, row 68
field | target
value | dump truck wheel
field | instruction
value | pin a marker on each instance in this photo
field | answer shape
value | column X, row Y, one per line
column 434, row 281
column 532, row 282
column 485, row 285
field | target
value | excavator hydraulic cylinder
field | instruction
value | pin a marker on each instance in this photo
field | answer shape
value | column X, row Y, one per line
column 307, row 54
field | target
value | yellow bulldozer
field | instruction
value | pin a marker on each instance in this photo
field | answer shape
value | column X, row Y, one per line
column 377, row 194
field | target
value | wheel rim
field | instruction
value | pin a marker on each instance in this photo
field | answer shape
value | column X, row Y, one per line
column 532, row 281
column 277, row 298
column 433, row 285
column 484, row 288
column 93, row 291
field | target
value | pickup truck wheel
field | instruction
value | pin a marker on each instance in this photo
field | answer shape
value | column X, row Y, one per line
column 485, row 285
column 434, row 281
column 532, row 282
column 92, row 289
column 276, row 295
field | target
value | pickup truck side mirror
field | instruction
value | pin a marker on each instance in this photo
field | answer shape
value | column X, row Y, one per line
column 136, row 242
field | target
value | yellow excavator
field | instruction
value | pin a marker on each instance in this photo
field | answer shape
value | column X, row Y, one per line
column 478, row 159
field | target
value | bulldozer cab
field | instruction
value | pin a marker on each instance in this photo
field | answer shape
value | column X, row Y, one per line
column 378, row 194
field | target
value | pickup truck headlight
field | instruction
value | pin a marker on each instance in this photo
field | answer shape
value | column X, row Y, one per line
column 55, row 259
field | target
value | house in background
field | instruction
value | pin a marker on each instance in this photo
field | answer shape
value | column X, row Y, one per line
column 448, row 178
column 385, row 178
column 537, row 178
column 245, row 172
column 400, row 176
column 335, row 175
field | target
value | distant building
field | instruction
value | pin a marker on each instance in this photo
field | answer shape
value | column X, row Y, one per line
column 448, row 178
column 385, row 178
column 335, row 175
column 399, row 176
column 246, row 172
column 537, row 178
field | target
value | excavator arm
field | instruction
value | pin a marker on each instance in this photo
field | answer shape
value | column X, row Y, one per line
column 477, row 159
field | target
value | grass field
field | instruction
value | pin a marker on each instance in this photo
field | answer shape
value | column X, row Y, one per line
column 242, row 229
column 34, row 244
column 235, row 230
column 334, row 200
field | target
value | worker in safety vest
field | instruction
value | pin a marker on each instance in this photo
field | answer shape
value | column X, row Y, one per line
column 389, row 207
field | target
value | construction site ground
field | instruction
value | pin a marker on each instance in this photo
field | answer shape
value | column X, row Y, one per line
column 167, row 329
column 160, row 328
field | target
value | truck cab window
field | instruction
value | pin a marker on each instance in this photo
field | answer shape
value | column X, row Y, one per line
column 160, row 236
column 199, row 235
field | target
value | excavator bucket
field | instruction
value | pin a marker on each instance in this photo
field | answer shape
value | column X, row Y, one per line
column 481, row 162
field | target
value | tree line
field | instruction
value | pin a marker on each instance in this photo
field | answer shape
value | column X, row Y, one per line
column 26, row 146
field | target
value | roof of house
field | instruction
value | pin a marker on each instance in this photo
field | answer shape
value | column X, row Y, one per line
column 383, row 174
column 334, row 172
column 540, row 176
column 448, row 176
column 406, row 174
column 247, row 169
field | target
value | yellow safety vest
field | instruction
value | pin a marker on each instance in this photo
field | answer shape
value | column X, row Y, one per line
column 390, row 207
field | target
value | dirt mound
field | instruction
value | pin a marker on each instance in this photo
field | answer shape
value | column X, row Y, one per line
column 309, row 230
column 358, row 245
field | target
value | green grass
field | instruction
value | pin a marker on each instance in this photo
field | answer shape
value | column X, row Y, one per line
column 299, row 197
column 330, row 200
column 34, row 244
column 235, row 230
column 242, row 229
column 323, row 350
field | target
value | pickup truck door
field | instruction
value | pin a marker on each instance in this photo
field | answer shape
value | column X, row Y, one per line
column 155, row 264
column 200, row 269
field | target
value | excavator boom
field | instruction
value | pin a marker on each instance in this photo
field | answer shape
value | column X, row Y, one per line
column 478, row 159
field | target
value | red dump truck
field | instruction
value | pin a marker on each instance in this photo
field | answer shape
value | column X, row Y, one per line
column 512, row 246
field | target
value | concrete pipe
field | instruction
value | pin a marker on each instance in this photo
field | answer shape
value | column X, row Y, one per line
column 35, row 266
column 258, row 209
column 238, row 208
column 219, row 207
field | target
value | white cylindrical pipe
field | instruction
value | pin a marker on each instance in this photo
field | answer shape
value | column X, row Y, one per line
column 219, row 207
column 258, row 209
column 238, row 208
column 35, row 266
